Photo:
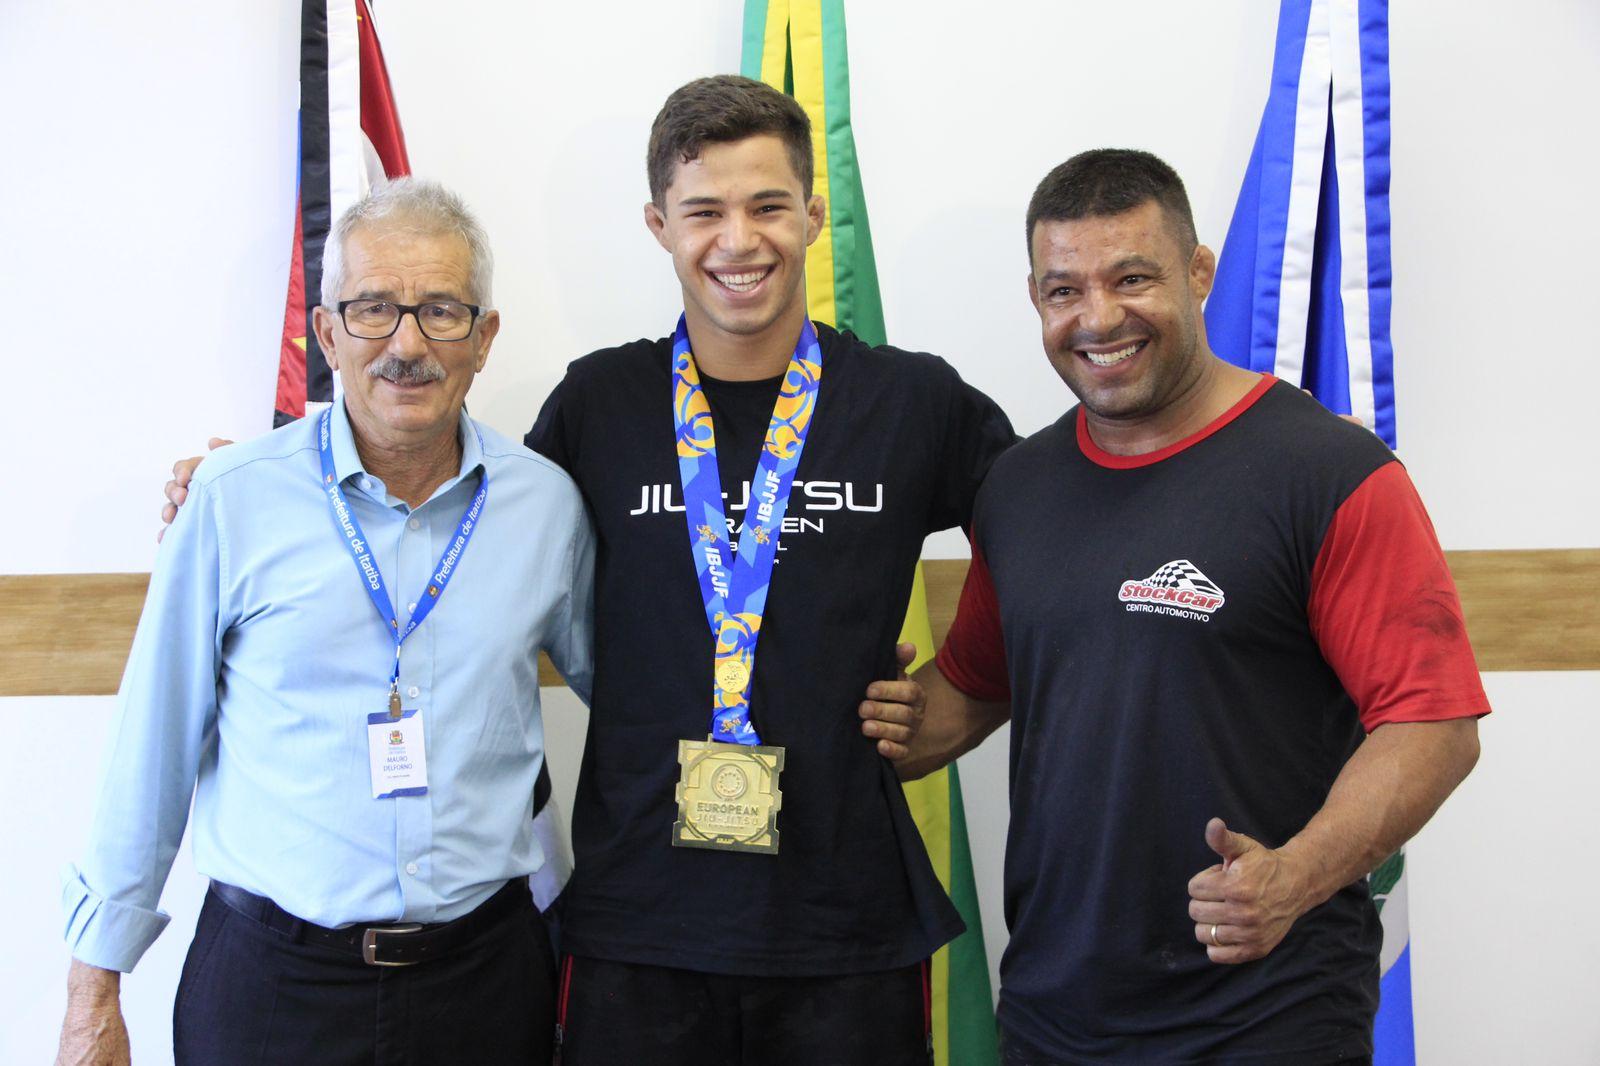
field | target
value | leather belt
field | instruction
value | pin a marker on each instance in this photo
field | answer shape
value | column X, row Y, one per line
column 381, row 945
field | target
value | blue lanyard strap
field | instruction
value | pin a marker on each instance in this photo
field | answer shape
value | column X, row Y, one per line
column 367, row 566
column 734, row 587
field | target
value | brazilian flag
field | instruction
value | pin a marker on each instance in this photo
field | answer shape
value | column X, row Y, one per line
column 799, row 46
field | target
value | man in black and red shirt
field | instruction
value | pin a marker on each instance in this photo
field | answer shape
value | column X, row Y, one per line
column 1233, row 658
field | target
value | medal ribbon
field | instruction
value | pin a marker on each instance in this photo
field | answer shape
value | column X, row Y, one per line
column 734, row 587
column 367, row 566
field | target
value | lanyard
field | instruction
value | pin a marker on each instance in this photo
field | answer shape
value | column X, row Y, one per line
column 735, row 588
column 356, row 541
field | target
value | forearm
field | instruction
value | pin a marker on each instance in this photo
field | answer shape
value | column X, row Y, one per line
column 92, row 985
column 953, row 724
column 1386, row 792
column 93, row 1030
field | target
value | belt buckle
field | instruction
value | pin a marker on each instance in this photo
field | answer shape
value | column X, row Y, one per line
column 369, row 944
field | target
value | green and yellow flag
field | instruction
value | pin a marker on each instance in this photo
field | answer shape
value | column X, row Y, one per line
column 799, row 46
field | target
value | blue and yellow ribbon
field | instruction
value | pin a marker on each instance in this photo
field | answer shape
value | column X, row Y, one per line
column 734, row 584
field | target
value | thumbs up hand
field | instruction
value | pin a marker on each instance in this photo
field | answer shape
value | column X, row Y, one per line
column 1243, row 906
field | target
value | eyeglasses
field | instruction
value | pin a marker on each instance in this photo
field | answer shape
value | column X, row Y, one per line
column 439, row 320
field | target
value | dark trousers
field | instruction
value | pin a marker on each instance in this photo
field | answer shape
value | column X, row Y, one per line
column 253, row 994
column 622, row 1014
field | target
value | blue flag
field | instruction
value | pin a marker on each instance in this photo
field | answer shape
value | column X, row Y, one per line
column 1302, row 292
column 1303, row 283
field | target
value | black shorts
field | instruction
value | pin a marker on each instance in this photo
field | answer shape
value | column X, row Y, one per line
column 622, row 1014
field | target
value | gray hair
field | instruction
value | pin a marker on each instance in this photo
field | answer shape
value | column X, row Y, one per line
column 430, row 208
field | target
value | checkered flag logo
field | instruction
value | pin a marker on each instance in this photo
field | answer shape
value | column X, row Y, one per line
column 1178, row 588
column 1182, row 574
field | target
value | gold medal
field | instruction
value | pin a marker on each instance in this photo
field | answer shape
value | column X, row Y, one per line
column 728, row 796
column 732, row 676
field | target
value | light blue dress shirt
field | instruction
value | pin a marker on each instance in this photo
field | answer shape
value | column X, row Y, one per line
column 259, row 656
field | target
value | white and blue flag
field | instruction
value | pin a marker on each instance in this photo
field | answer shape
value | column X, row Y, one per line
column 1302, row 292
column 1302, row 287
column 1394, row 1039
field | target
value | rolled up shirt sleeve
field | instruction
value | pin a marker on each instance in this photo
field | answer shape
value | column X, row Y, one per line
column 165, row 722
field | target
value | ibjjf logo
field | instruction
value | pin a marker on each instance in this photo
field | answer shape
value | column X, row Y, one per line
column 1178, row 588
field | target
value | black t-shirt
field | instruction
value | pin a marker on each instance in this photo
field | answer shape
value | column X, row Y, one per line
column 1199, row 632
column 896, row 450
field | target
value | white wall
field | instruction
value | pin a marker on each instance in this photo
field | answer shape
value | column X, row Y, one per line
column 146, row 193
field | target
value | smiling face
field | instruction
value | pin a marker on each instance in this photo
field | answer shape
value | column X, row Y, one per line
column 1119, row 306
column 737, row 222
column 405, row 388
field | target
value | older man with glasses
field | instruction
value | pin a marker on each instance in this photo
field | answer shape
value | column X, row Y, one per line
column 338, row 660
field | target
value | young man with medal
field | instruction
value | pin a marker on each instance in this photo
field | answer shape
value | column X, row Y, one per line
column 749, row 886
column 327, row 589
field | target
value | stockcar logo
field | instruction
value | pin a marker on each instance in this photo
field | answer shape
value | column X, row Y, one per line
column 1178, row 588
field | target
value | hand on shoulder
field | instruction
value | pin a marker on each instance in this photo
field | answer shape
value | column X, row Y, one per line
column 177, row 489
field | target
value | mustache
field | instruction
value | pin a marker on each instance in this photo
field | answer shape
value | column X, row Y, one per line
column 400, row 371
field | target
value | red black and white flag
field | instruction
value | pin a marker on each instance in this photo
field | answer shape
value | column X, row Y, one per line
column 350, row 138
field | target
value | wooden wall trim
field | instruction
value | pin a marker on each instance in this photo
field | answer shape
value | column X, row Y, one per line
column 1531, row 610
column 68, row 634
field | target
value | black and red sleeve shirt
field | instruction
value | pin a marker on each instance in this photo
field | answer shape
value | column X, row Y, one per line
column 1407, row 660
column 1203, row 631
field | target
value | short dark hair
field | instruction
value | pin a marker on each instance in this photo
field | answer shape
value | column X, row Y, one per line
column 719, row 110
column 1109, row 181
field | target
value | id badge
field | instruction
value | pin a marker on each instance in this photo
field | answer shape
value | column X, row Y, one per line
column 397, row 754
